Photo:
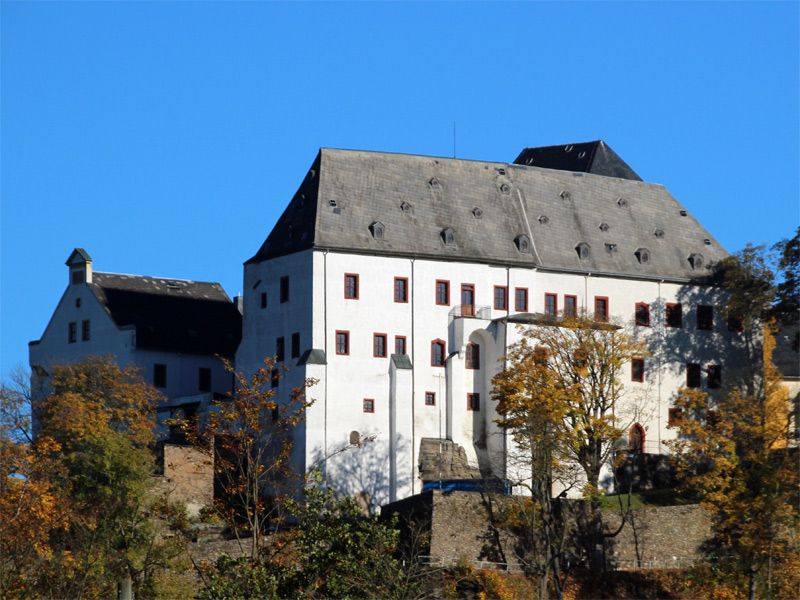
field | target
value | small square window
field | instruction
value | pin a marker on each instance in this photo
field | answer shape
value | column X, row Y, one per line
column 674, row 415
column 437, row 353
column 342, row 342
column 86, row 332
column 399, row 344
column 550, row 305
column 442, row 292
column 601, row 308
column 72, row 332
column 295, row 344
column 674, row 315
column 637, row 370
column 713, row 376
column 401, row 289
column 570, row 307
column 379, row 345
column 500, row 297
column 275, row 378
column 78, row 276
column 280, row 349
column 263, row 299
column 473, row 356
column 473, row 401
column 693, row 373
column 350, row 286
column 160, row 375
column 521, row 299
column 369, row 405
column 284, row 289
column 430, row 399
column 642, row 314
column 204, row 379
column 705, row 317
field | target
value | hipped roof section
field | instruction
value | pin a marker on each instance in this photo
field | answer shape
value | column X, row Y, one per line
column 489, row 205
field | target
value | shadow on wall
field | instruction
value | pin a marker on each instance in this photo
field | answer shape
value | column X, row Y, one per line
column 364, row 472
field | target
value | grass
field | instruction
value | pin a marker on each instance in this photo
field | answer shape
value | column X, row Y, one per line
column 665, row 497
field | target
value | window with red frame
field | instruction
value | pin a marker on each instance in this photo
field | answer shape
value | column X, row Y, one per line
column 636, row 438
column 500, row 297
column 442, row 292
column 674, row 315
column 642, row 314
column 437, row 353
column 369, row 405
column 399, row 344
column 570, row 306
column 430, row 399
column 473, row 356
column 521, row 299
column 601, row 308
column 350, row 286
column 401, row 289
column 342, row 342
column 473, row 401
column 551, row 305
column 637, row 370
column 379, row 345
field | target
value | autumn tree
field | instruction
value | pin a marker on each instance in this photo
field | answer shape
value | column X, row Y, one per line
column 561, row 400
column 248, row 435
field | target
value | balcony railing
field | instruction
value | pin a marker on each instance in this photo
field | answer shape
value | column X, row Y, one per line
column 471, row 311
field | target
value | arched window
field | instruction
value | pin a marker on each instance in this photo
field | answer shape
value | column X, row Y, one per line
column 636, row 438
column 437, row 353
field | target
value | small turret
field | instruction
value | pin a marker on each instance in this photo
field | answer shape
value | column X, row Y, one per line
column 80, row 267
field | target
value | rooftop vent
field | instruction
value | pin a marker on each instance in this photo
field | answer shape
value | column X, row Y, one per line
column 501, row 171
column 505, row 188
column 434, row 184
column 696, row 261
column 406, row 208
column 642, row 255
column 448, row 236
column 658, row 232
column 544, row 219
column 583, row 250
column 622, row 202
column 611, row 248
column 683, row 212
column 377, row 228
column 581, row 154
column 477, row 212
column 565, row 195
column 707, row 242
column 568, row 148
column 523, row 244
column 603, row 226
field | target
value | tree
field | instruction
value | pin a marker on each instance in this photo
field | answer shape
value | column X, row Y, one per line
column 560, row 398
column 248, row 435
column 787, row 301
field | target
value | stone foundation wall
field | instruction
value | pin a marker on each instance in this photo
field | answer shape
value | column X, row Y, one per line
column 188, row 478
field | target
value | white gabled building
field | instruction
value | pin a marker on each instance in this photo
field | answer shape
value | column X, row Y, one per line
column 171, row 329
column 395, row 280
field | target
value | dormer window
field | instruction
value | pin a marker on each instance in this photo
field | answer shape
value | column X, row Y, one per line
column 523, row 244
column 642, row 255
column 583, row 250
column 603, row 227
column 611, row 248
column 377, row 228
column 696, row 261
column 434, row 184
column 448, row 236
column 505, row 188
column 406, row 207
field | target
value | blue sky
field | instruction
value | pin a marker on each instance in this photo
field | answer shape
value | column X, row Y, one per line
column 166, row 138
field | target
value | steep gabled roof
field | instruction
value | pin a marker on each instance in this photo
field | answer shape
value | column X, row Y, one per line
column 496, row 213
column 171, row 315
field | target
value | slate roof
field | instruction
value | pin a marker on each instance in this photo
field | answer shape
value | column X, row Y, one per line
column 489, row 205
column 171, row 315
column 588, row 157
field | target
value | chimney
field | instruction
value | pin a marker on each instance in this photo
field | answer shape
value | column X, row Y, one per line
column 80, row 267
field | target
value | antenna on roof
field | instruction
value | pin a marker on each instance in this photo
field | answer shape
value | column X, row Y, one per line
column 454, row 139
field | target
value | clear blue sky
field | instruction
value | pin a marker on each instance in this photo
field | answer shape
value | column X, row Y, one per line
column 166, row 138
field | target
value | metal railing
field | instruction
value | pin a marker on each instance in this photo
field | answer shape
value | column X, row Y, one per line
column 471, row 311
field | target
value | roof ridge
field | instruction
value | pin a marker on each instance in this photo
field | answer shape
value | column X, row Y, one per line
column 155, row 277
